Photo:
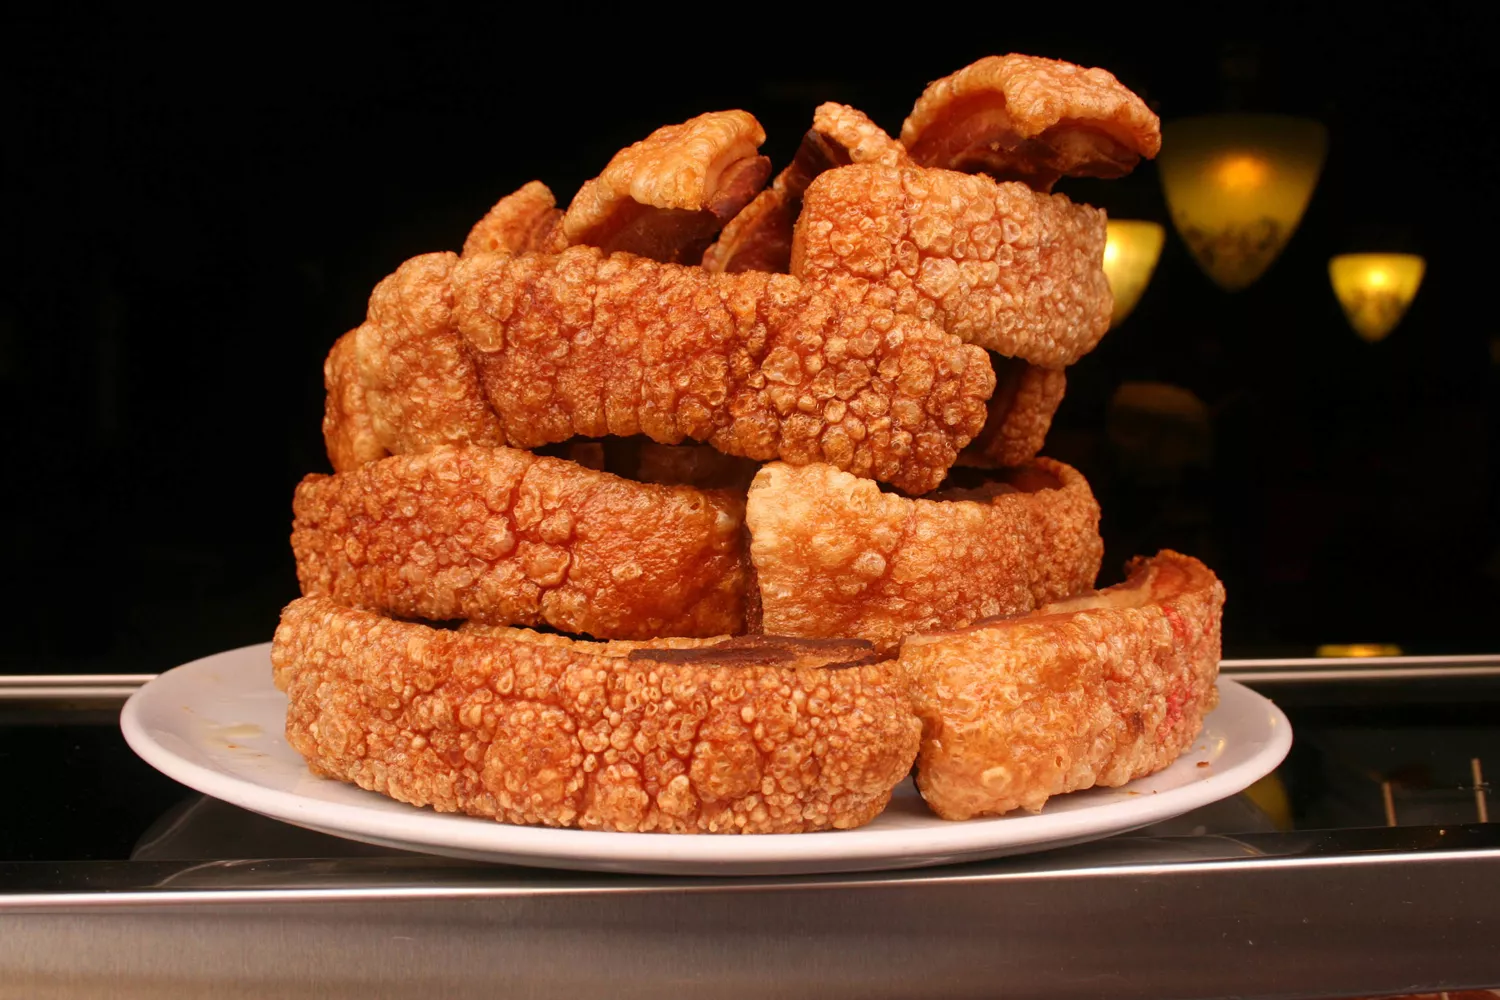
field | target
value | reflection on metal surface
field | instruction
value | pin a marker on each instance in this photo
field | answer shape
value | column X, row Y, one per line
column 1481, row 799
column 1321, row 670
column 69, row 687
column 404, row 875
column 1359, row 649
column 1269, row 793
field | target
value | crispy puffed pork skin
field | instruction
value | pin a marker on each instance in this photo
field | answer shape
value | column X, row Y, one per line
column 403, row 381
column 835, row 556
column 348, row 430
column 759, row 238
column 503, row 536
column 666, row 196
column 1030, row 119
column 758, row 365
column 522, row 221
column 1094, row 690
column 1020, row 413
column 995, row 264
column 740, row 736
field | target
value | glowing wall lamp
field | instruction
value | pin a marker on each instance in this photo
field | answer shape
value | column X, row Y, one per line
column 1131, row 250
column 1375, row 289
column 1237, row 186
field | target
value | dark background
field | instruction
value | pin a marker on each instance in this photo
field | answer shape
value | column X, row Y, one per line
column 190, row 217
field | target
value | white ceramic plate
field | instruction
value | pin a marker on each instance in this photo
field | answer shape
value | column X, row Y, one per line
column 216, row 725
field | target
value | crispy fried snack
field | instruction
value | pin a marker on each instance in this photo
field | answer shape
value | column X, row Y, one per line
column 1095, row 690
column 759, row 238
column 666, row 196
column 997, row 265
column 835, row 556
column 717, row 739
column 348, row 431
column 403, row 381
column 758, row 365
column 502, row 536
column 1021, row 410
column 1029, row 119
column 421, row 385
column 523, row 220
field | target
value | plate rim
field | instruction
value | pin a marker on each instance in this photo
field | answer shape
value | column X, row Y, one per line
column 480, row 836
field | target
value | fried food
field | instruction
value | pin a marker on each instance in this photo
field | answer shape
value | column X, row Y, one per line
column 997, row 265
column 1024, row 118
column 348, row 431
column 523, row 220
column 666, row 196
column 759, row 238
column 760, row 366
column 1095, row 690
column 834, row 556
column 1021, row 410
column 887, row 325
column 502, row 536
column 733, row 738
column 692, row 465
column 420, row 384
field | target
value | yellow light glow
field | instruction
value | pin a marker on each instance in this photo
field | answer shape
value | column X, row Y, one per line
column 1240, row 173
column 1376, row 289
column 1359, row 649
column 1237, row 186
column 1131, row 250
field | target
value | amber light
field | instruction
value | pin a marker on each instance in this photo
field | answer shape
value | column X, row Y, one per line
column 1131, row 251
column 1359, row 649
column 1237, row 186
column 1376, row 289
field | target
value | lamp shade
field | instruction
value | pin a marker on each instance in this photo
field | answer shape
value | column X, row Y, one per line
column 1131, row 250
column 1237, row 186
column 1375, row 289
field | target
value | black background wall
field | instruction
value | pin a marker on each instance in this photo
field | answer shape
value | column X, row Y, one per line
column 191, row 213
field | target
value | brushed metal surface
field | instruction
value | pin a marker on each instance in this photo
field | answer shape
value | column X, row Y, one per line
column 1346, row 913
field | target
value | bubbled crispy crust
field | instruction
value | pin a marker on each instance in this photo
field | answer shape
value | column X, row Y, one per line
column 835, row 556
column 550, row 733
column 997, row 265
column 757, row 365
column 1021, row 410
column 1031, row 119
column 521, row 221
column 348, row 431
column 665, row 196
column 1092, row 691
column 857, row 139
column 759, row 238
column 421, row 387
column 502, row 536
